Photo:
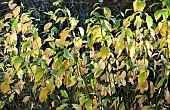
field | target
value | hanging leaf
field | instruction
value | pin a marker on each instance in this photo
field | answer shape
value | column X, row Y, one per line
column 16, row 60
column 61, row 107
column 139, row 5
column 105, row 52
column 47, row 26
column 39, row 74
column 63, row 35
column 43, row 94
column 149, row 21
column 107, row 13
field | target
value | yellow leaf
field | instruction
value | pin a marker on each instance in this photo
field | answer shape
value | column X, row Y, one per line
column 26, row 99
column 5, row 87
column 16, row 11
column 63, row 35
column 43, row 94
column 139, row 5
column 50, row 85
column 11, row 5
column 126, row 22
column 49, row 39
column 138, row 22
column 61, row 107
column 145, row 108
column 152, row 88
column 105, row 52
column 47, row 26
column 58, row 81
column 132, row 51
column 9, row 15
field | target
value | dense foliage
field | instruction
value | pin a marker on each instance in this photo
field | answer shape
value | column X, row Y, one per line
column 111, row 62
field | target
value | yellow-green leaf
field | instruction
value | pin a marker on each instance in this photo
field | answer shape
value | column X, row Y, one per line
column 160, row 82
column 107, row 13
column 50, row 85
column 2, row 104
column 47, row 26
column 43, row 94
column 57, row 64
column 142, row 78
column 88, row 104
column 149, row 21
column 157, row 14
column 16, row 60
column 39, row 74
column 76, row 106
column 105, row 52
column 139, row 5
column 61, row 107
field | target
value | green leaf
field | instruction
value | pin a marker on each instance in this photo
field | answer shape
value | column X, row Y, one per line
column 104, row 101
column 64, row 93
column 54, row 29
column 39, row 74
column 2, row 104
column 149, row 21
column 61, row 107
column 105, row 52
column 16, row 62
column 68, row 55
column 107, row 13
